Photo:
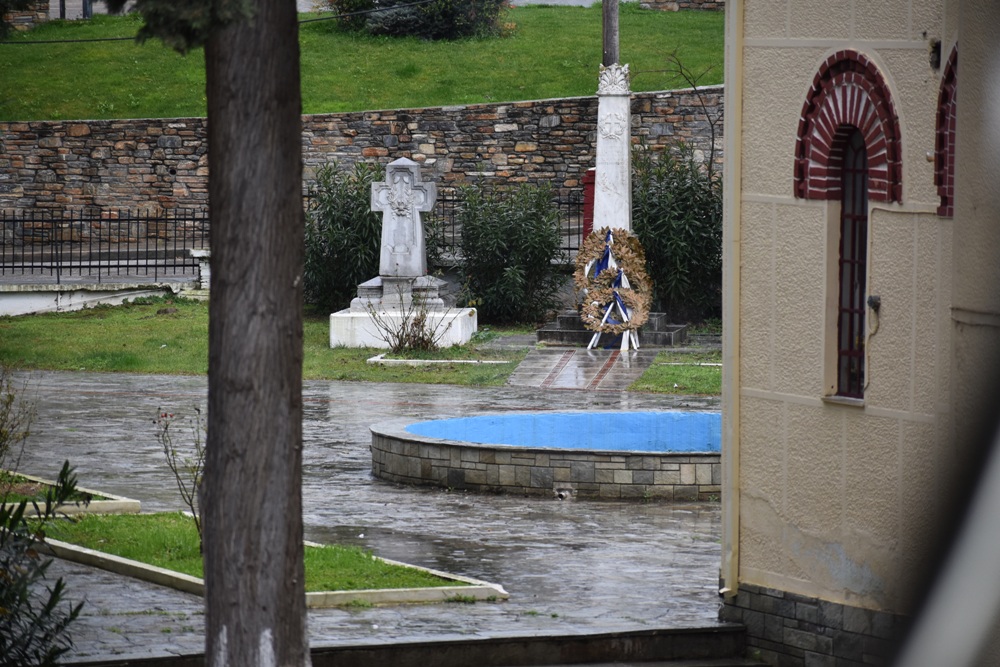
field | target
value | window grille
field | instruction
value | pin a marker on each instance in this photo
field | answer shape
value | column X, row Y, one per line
column 853, row 267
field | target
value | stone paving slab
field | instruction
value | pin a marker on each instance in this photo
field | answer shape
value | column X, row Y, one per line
column 570, row 567
column 580, row 368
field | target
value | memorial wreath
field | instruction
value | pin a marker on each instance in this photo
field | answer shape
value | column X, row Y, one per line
column 611, row 273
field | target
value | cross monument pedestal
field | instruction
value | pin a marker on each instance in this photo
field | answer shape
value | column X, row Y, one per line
column 402, row 289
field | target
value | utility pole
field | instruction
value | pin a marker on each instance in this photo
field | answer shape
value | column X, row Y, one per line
column 610, row 23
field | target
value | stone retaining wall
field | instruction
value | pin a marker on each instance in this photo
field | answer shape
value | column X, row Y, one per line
column 405, row 458
column 29, row 18
column 154, row 164
column 675, row 5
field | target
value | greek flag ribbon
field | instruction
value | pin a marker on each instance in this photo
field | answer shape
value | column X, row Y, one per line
column 607, row 260
column 621, row 305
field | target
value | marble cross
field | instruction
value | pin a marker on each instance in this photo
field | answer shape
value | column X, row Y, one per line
column 402, row 198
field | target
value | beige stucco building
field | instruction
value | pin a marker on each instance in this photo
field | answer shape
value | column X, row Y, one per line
column 862, row 308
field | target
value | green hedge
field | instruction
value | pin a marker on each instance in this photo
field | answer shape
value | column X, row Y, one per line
column 511, row 247
column 677, row 215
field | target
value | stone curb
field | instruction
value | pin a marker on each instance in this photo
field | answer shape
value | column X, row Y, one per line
column 112, row 505
column 475, row 590
column 381, row 360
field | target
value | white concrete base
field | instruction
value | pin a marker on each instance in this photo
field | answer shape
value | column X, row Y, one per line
column 45, row 298
column 349, row 328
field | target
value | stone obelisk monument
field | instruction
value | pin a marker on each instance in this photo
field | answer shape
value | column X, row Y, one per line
column 613, row 182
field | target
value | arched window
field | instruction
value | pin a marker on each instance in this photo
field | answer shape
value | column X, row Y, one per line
column 944, row 142
column 847, row 91
column 853, row 263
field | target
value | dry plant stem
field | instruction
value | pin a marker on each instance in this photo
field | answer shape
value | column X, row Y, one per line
column 16, row 415
column 187, row 470
column 676, row 67
column 412, row 331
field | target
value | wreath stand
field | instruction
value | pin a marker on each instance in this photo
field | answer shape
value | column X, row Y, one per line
column 618, row 317
column 623, row 312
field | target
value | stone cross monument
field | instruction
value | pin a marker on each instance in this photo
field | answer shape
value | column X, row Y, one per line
column 613, row 182
column 402, row 198
column 402, row 290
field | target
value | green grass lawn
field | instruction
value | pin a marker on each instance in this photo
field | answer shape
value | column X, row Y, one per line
column 139, row 338
column 551, row 52
column 16, row 488
column 698, row 373
column 134, row 338
column 169, row 540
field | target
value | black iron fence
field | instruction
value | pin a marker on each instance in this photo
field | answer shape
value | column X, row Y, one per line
column 112, row 245
column 102, row 246
column 443, row 224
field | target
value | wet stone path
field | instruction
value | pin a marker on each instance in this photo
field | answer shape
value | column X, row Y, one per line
column 579, row 368
column 570, row 567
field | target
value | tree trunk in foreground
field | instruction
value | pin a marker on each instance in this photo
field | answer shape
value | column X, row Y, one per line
column 254, row 588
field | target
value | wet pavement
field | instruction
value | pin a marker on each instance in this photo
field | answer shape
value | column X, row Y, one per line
column 570, row 567
column 579, row 368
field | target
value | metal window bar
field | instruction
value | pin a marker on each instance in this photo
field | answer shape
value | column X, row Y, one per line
column 99, row 246
column 853, row 268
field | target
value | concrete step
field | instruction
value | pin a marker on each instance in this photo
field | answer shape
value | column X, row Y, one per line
column 717, row 646
column 722, row 662
column 568, row 329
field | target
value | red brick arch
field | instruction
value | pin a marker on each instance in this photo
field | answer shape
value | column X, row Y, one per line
column 847, row 92
column 944, row 141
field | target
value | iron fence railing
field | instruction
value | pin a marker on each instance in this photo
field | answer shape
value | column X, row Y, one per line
column 112, row 245
column 101, row 246
column 444, row 224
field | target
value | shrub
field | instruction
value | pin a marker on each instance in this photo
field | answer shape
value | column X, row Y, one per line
column 510, row 244
column 352, row 14
column 437, row 19
column 33, row 621
column 677, row 215
column 33, row 618
column 343, row 235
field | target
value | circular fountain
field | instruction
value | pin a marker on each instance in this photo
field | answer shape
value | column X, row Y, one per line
column 663, row 455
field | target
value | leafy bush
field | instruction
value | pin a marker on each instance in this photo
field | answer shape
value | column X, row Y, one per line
column 32, row 621
column 437, row 19
column 510, row 241
column 33, row 618
column 352, row 14
column 343, row 235
column 677, row 215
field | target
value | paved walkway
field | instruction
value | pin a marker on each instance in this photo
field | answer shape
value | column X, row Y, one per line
column 570, row 567
column 579, row 368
